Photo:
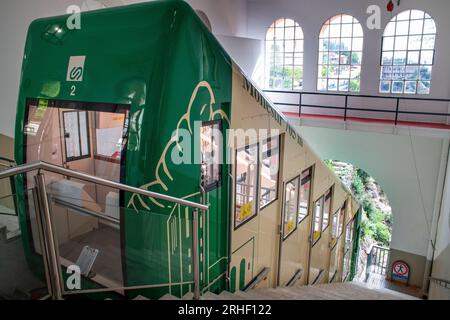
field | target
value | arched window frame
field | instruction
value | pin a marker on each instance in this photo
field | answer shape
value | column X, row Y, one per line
column 289, row 58
column 338, row 76
column 412, row 72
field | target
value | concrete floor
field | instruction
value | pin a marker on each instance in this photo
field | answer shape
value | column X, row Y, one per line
column 17, row 281
column 378, row 281
column 106, row 239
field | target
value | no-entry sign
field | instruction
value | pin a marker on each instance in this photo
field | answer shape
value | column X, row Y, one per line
column 400, row 271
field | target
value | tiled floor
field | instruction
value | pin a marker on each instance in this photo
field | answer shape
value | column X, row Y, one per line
column 377, row 281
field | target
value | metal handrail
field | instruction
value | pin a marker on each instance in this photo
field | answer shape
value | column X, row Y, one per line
column 441, row 282
column 346, row 108
column 96, row 180
column 46, row 225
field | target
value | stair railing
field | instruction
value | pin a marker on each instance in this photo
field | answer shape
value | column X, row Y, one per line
column 47, row 228
column 377, row 260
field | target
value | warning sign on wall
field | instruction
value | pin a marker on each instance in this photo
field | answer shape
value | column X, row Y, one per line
column 400, row 271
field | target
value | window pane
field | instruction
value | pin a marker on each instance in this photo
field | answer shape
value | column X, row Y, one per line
column 325, row 31
column 390, row 29
column 428, row 42
column 347, row 30
column 269, row 171
column 108, row 134
column 356, row 58
column 429, row 27
column 401, row 43
column 417, row 14
column 344, row 85
column 335, row 30
column 385, row 86
column 321, row 84
column 402, row 28
column 357, row 30
column 341, row 219
column 344, row 71
column 424, row 87
column 387, row 58
column 355, row 85
column 411, row 73
column 290, row 33
column 414, row 42
column 399, row 57
column 386, row 73
column 357, row 44
column 332, row 84
column 283, row 54
column 326, row 210
column 72, row 134
column 413, row 57
column 398, row 73
column 411, row 35
column 416, row 27
column 426, row 57
column 425, row 73
column 405, row 15
column 304, row 195
column 410, row 86
column 84, row 133
column 355, row 72
column 246, row 176
column 211, row 142
column 345, row 43
column 317, row 220
column 397, row 87
column 334, row 226
column 290, row 207
column 388, row 43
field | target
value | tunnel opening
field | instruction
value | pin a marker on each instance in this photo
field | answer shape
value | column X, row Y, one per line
column 376, row 220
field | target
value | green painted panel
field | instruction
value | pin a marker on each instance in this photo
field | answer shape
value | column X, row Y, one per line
column 242, row 268
column 233, row 280
column 160, row 59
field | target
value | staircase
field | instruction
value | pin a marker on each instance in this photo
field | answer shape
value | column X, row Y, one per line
column 334, row 291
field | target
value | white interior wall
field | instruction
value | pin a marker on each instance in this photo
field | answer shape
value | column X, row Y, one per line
column 443, row 226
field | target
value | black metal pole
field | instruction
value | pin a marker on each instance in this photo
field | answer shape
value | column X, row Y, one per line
column 346, row 105
column 396, row 111
column 300, row 105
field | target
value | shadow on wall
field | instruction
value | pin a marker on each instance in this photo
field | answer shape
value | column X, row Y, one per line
column 6, row 147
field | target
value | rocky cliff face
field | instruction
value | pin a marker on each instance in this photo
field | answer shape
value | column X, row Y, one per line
column 346, row 172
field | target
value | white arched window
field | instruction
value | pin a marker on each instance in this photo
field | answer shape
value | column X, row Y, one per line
column 408, row 53
column 340, row 54
column 284, row 55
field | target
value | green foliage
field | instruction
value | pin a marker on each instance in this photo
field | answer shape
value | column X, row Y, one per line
column 375, row 224
column 329, row 164
column 354, row 85
column 358, row 187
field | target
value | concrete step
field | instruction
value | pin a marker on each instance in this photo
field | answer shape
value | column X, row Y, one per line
column 188, row 296
column 229, row 296
column 169, row 297
column 213, row 296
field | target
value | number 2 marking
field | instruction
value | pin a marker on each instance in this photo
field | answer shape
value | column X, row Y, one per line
column 73, row 90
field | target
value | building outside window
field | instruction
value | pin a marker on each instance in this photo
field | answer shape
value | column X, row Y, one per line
column 284, row 55
column 340, row 54
column 408, row 53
